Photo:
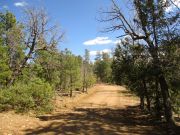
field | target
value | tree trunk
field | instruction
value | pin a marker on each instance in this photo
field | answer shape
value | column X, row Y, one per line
column 147, row 95
column 86, row 87
column 71, row 92
column 157, row 100
column 164, row 88
column 84, row 81
column 166, row 100
column 71, row 85
column 84, row 77
column 142, row 102
column 15, row 74
column 142, row 98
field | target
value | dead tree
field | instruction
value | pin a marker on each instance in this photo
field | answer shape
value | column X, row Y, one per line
column 38, row 35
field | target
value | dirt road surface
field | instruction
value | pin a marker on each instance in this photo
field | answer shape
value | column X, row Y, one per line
column 106, row 110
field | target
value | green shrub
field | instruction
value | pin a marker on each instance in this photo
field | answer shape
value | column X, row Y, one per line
column 91, row 80
column 36, row 95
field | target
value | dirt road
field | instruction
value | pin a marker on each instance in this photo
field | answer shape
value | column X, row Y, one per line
column 107, row 96
column 108, row 110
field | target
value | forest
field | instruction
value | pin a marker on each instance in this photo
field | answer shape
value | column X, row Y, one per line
column 146, row 60
column 33, row 69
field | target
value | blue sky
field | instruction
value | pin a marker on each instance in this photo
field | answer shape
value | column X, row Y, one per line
column 78, row 18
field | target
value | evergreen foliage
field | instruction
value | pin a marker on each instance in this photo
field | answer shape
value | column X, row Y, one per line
column 148, row 58
column 32, row 69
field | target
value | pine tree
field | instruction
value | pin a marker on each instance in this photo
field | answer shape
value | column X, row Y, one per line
column 152, row 26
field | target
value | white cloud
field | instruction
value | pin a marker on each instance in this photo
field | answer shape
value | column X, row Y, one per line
column 93, row 53
column 99, row 41
column 103, row 41
column 106, row 51
column 20, row 4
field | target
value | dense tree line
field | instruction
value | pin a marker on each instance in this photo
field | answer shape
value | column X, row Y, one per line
column 32, row 68
column 102, row 67
column 147, row 60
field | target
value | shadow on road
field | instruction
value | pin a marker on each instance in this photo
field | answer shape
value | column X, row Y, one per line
column 99, row 121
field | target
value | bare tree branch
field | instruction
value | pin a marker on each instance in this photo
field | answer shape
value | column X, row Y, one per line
column 38, row 36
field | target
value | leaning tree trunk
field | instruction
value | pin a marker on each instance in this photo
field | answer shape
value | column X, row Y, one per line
column 163, row 85
column 14, row 75
column 23, row 63
column 166, row 100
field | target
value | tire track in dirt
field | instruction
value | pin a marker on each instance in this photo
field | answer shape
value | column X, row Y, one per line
column 106, row 110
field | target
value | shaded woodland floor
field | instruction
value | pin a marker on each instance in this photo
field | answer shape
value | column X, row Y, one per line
column 103, row 121
column 109, row 110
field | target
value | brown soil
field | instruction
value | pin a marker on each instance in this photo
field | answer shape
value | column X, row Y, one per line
column 105, row 110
